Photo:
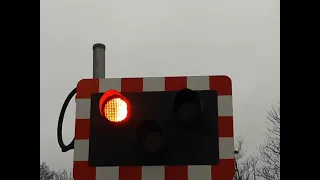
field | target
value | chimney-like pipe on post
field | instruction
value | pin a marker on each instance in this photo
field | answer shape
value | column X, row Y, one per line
column 99, row 60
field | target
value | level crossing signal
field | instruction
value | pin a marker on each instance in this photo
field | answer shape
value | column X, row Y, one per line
column 154, row 128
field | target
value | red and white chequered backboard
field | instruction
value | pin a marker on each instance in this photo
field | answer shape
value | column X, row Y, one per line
column 224, row 171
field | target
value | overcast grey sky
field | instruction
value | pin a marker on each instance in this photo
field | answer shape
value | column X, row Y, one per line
column 240, row 39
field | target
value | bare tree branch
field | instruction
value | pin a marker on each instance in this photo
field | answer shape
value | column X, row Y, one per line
column 47, row 174
column 246, row 169
column 269, row 152
column 267, row 165
column 239, row 148
column 240, row 151
column 63, row 175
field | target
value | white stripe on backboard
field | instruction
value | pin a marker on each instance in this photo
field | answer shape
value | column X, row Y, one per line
column 154, row 84
column 225, row 106
column 107, row 84
column 107, row 173
column 198, row 82
column 83, row 108
column 199, row 172
column 153, row 173
column 226, row 148
column 81, row 150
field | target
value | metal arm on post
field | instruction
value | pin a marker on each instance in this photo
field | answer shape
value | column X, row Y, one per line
column 98, row 72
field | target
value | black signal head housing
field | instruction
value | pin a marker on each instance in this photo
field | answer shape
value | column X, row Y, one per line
column 165, row 128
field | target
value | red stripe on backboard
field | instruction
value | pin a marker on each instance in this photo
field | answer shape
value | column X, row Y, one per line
column 175, row 83
column 82, row 171
column 82, row 130
column 86, row 87
column 225, row 126
column 224, row 171
column 222, row 84
column 131, row 84
column 176, row 172
column 130, row 173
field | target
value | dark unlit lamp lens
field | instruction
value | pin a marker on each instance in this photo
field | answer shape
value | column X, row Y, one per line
column 153, row 142
column 188, row 112
column 187, row 107
column 150, row 137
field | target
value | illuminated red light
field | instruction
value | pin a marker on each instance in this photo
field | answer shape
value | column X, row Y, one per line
column 116, row 110
column 114, row 107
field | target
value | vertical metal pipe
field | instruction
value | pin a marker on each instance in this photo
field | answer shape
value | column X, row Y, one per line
column 99, row 60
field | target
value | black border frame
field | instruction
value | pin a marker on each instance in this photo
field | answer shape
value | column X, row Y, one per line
column 20, row 73
column 299, row 158
column 21, row 29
